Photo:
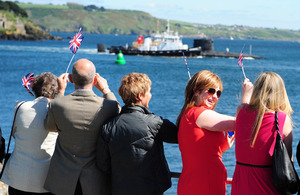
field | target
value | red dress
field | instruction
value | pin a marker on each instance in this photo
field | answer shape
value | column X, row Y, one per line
column 203, row 171
column 255, row 180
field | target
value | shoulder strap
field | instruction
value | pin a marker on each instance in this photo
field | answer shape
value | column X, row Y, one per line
column 12, row 127
column 276, row 123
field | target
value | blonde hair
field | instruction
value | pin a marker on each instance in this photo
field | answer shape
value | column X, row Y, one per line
column 269, row 95
column 200, row 81
column 132, row 85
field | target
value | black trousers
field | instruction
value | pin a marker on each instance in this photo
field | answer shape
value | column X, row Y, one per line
column 78, row 190
column 13, row 191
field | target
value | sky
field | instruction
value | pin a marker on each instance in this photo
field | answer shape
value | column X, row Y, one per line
column 254, row 13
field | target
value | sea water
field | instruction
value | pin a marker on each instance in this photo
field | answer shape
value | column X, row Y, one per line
column 169, row 77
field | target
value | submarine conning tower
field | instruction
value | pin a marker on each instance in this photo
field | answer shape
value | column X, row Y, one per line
column 205, row 44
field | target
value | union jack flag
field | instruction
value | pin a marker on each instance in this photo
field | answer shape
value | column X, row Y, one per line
column 76, row 41
column 240, row 61
column 26, row 80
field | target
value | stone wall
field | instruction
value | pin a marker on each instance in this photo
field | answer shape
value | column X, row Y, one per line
column 9, row 25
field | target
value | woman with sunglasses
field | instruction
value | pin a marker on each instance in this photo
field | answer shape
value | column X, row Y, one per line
column 256, row 134
column 201, row 136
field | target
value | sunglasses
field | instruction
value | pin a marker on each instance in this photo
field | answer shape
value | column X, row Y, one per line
column 212, row 91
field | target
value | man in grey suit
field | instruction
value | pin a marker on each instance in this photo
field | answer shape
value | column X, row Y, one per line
column 78, row 119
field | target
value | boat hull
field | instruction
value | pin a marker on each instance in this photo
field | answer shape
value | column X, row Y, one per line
column 192, row 52
column 168, row 53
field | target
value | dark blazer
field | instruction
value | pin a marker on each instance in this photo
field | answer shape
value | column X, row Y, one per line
column 78, row 119
column 131, row 149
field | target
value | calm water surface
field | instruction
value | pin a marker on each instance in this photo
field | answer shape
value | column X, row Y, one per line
column 168, row 75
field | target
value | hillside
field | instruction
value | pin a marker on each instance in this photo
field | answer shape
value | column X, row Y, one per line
column 15, row 26
column 68, row 18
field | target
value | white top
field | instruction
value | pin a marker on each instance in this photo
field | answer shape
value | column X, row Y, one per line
column 27, row 168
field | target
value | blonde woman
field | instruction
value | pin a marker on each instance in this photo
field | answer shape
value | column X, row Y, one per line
column 255, row 133
column 201, row 137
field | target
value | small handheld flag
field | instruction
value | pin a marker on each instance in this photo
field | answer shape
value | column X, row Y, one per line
column 26, row 80
column 186, row 65
column 74, row 45
column 240, row 61
column 76, row 42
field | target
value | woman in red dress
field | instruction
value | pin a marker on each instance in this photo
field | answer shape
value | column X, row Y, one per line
column 203, row 137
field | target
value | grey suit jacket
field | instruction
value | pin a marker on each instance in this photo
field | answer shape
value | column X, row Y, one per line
column 78, row 119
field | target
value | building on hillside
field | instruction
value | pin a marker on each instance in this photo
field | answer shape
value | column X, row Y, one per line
column 18, row 25
column 2, row 21
column 20, row 28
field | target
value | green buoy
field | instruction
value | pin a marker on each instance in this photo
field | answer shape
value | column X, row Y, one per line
column 120, row 59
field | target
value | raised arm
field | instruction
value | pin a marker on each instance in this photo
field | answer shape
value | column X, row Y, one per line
column 62, row 81
column 214, row 121
column 247, row 93
column 102, row 85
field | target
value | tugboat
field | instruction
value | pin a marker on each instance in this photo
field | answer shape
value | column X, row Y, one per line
column 159, row 44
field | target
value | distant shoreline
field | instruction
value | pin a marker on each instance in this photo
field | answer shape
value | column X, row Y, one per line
column 134, row 22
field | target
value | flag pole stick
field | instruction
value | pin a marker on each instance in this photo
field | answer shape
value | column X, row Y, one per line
column 186, row 65
column 243, row 46
column 244, row 72
column 29, row 91
column 70, row 63
column 243, row 65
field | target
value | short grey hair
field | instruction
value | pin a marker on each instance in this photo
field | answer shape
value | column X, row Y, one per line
column 45, row 85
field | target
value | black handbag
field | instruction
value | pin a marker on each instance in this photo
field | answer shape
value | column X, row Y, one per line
column 285, row 177
column 7, row 154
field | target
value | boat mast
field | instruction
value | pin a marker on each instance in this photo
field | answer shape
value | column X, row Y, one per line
column 168, row 27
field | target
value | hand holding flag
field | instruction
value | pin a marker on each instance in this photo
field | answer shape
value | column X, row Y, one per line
column 26, row 81
column 74, row 45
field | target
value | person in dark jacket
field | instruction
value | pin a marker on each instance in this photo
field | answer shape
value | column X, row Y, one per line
column 131, row 145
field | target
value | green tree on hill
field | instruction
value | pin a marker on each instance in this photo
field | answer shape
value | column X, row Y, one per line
column 93, row 8
column 12, row 7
